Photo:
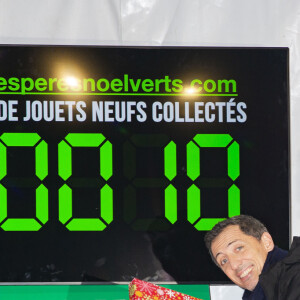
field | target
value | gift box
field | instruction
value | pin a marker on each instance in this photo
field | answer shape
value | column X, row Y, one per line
column 142, row 290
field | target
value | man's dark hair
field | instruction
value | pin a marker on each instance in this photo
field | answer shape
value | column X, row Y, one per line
column 247, row 225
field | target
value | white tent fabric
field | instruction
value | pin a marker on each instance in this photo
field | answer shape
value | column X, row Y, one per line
column 168, row 22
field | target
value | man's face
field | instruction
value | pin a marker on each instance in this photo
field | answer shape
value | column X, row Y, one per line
column 240, row 256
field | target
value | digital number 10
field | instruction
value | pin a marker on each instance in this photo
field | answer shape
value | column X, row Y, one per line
column 106, row 171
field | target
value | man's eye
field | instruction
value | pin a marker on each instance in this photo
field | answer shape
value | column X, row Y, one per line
column 223, row 261
column 239, row 248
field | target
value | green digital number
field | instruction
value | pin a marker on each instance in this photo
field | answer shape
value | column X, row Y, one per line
column 41, row 171
column 193, row 172
column 106, row 171
column 170, row 171
column 65, row 172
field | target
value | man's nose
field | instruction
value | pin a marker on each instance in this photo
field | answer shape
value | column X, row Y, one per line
column 235, row 262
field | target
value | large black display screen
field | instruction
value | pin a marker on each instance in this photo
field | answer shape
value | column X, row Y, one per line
column 114, row 162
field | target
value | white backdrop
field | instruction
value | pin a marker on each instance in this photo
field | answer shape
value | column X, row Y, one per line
column 168, row 22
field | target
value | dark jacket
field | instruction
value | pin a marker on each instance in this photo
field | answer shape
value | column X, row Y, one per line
column 282, row 281
column 273, row 257
column 280, row 278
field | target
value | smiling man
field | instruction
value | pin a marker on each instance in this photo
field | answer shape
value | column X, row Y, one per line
column 244, row 250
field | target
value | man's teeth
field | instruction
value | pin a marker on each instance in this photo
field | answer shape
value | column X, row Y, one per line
column 246, row 272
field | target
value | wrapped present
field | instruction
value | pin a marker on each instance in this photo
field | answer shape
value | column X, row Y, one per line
column 142, row 290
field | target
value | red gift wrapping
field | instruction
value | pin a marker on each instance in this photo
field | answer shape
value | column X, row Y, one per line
column 142, row 290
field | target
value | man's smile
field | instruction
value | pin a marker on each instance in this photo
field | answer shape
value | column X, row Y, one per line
column 244, row 273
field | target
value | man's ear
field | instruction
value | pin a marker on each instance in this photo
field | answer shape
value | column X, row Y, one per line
column 267, row 241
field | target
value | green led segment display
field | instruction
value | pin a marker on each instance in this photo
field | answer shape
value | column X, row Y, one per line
column 65, row 204
column 170, row 159
column 65, row 172
column 193, row 161
column 97, row 140
column 41, row 154
column 106, row 204
column 85, row 139
column 170, row 172
column 233, row 201
column 3, row 203
column 3, row 164
column 106, row 162
column 64, row 160
column 171, row 203
column 194, row 193
column 41, row 171
column 193, row 204
column 42, row 204
column 20, row 139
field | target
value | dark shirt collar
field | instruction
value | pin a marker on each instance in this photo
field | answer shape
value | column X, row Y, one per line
column 273, row 256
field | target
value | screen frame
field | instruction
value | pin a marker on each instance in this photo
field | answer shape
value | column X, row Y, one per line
column 157, row 48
